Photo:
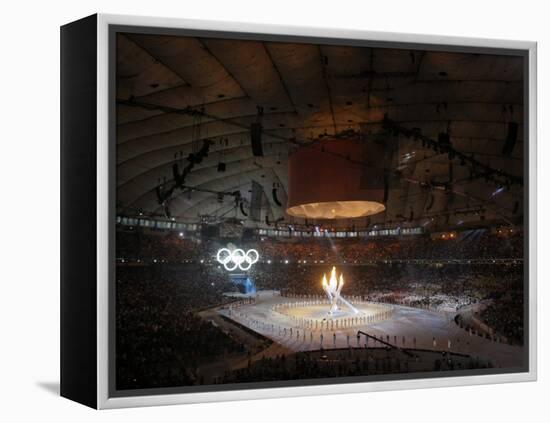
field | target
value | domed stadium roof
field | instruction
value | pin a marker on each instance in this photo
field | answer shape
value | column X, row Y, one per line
column 175, row 92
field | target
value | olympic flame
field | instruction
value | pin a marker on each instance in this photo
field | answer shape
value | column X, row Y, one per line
column 333, row 287
column 334, row 284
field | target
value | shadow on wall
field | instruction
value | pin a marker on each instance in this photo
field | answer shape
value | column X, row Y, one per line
column 51, row 387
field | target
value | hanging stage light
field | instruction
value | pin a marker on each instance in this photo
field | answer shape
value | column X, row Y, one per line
column 241, row 206
column 275, row 198
column 336, row 179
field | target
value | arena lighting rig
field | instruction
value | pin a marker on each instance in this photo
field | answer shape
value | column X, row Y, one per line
column 237, row 258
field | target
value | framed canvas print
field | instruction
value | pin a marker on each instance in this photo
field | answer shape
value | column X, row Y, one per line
column 254, row 211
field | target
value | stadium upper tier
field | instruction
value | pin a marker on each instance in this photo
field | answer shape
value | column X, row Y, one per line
column 471, row 245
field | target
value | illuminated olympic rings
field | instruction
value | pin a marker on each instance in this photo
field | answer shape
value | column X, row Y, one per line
column 237, row 258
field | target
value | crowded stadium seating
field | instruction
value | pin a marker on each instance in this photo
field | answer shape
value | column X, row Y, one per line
column 163, row 280
column 172, row 247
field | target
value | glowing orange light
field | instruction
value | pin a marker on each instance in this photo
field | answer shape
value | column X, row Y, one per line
column 323, row 185
column 333, row 284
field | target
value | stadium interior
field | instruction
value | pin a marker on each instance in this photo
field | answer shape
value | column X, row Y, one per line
column 401, row 168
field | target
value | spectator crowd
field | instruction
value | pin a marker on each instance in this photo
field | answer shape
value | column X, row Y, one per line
column 163, row 281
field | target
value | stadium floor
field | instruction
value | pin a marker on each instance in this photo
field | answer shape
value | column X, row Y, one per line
column 405, row 327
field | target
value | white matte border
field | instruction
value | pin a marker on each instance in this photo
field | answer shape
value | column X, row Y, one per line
column 103, row 400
